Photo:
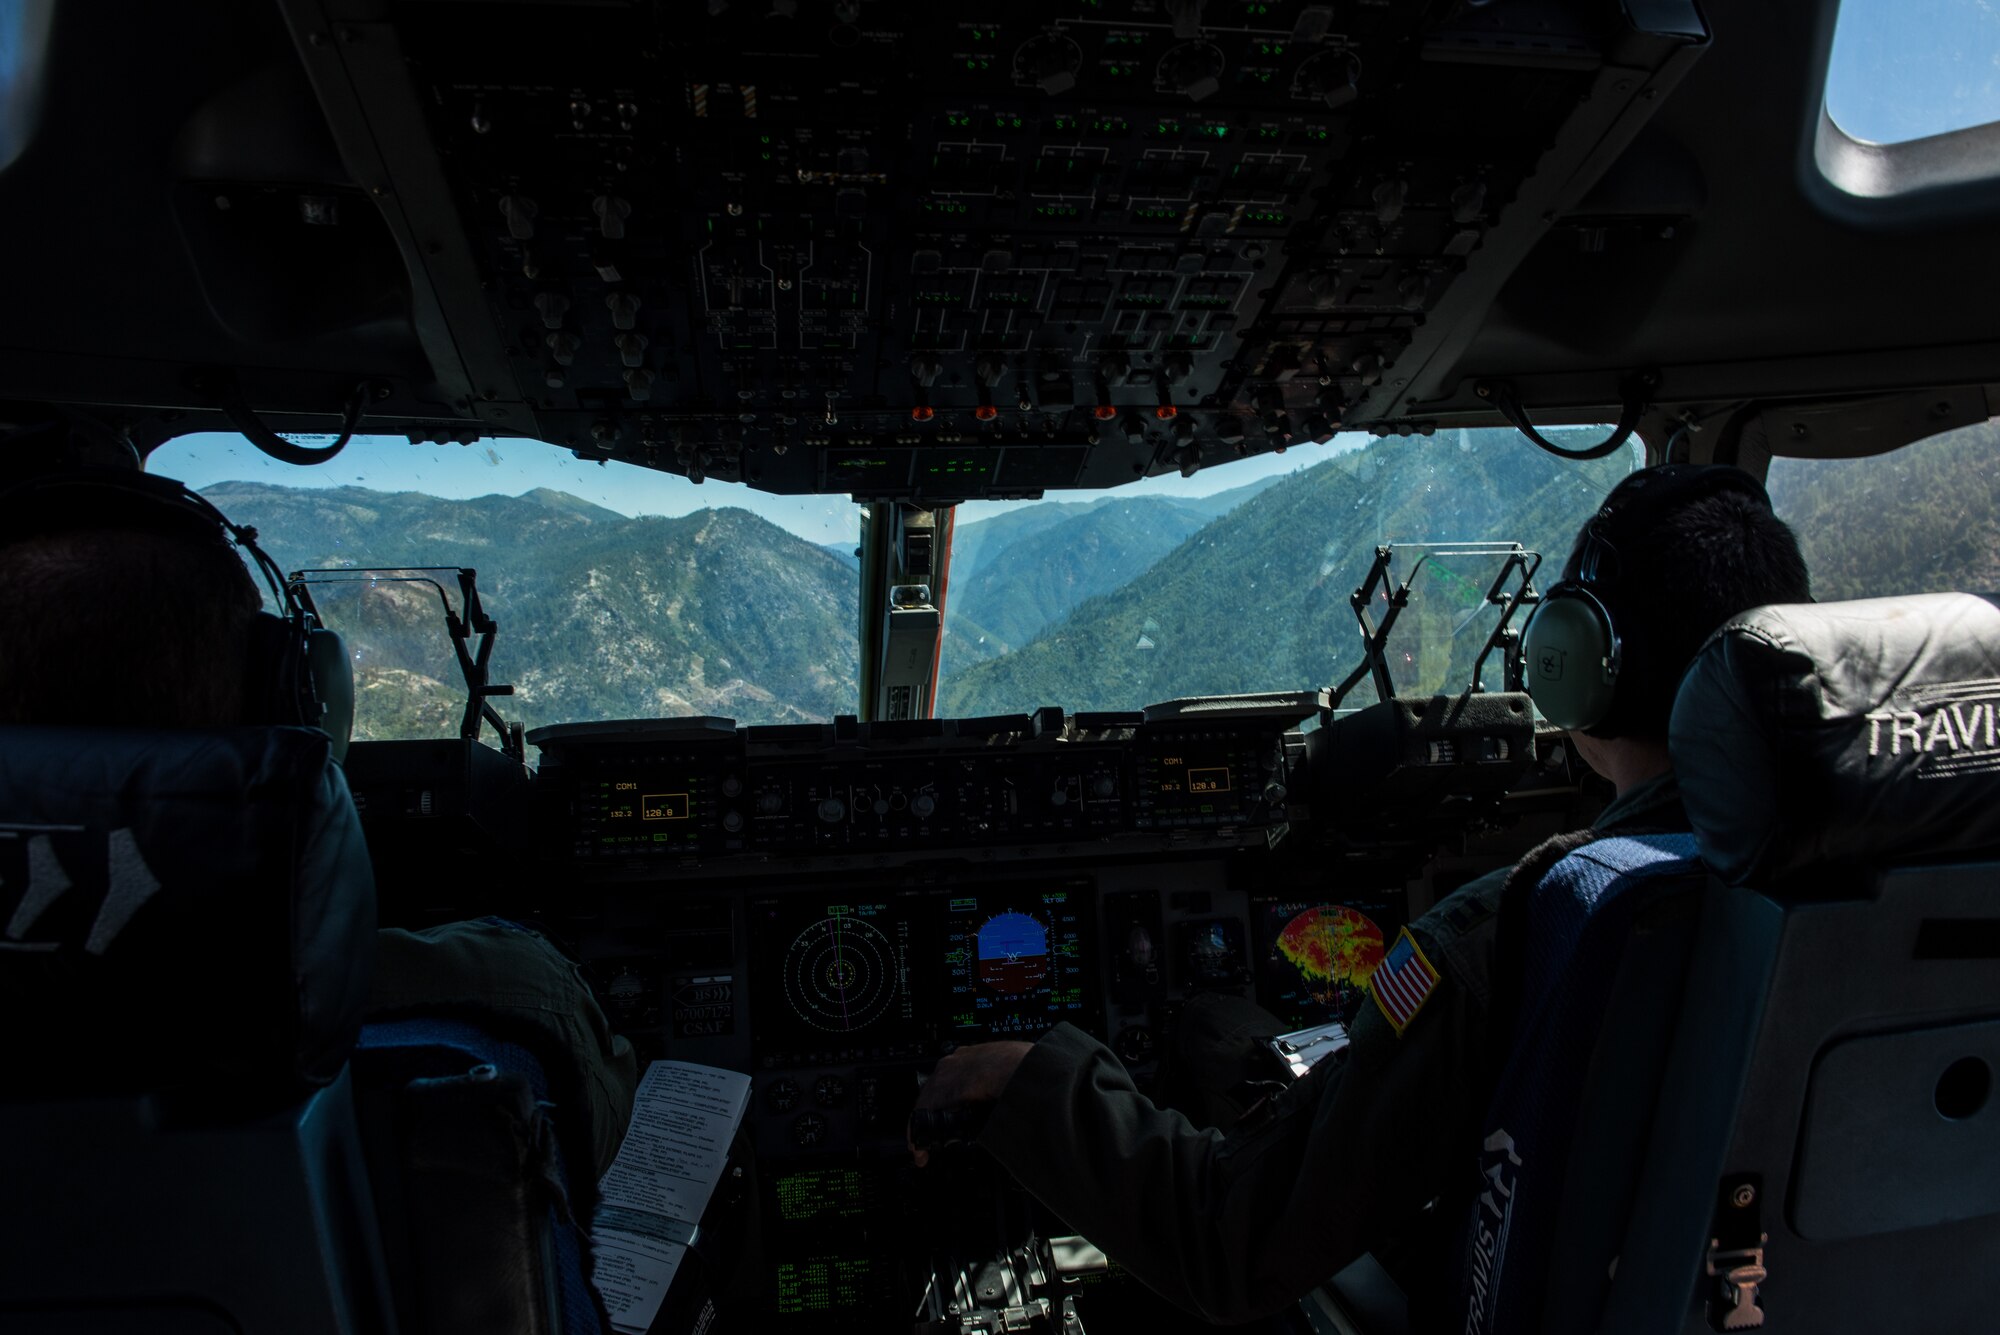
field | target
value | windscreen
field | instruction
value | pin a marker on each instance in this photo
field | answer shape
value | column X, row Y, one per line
column 619, row 592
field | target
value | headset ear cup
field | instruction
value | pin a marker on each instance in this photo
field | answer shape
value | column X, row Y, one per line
column 1569, row 658
column 332, row 674
column 279, row 686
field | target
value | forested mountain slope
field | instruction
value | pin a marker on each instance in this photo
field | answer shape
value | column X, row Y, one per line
column 1259, row 599
column 1923, row 519
column 601, row 616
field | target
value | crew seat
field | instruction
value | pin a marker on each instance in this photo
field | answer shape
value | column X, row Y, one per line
column 1752, row 1078
column 186, row 927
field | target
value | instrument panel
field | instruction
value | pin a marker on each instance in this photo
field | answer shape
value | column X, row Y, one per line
column 703, row 793
column 832, row 908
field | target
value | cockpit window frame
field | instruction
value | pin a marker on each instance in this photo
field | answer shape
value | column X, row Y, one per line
column 1949, row 173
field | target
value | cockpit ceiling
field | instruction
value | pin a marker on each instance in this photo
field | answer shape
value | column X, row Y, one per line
column 885, row 248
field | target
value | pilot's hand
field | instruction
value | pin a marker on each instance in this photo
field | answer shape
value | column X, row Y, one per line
column 976, row 1074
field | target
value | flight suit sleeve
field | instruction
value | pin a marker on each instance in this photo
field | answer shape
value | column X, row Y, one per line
column 1240, row 1225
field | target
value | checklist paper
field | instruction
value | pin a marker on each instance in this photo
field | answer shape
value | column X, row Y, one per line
column 653, row 1197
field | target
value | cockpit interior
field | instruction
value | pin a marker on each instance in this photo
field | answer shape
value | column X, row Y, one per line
column 927, row 266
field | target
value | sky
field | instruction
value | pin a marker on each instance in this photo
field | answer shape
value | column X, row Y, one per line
column 510, row 467
column 1904, row 69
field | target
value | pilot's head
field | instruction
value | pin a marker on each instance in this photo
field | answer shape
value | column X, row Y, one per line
column 120, row 619
column 1673, row 553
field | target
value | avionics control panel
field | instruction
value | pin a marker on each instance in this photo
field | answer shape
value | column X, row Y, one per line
column 703, row 792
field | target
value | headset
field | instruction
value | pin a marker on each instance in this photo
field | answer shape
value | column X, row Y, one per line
column 298, row 673
column 1573, row 651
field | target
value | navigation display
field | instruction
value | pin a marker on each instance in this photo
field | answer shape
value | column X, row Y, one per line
column 1314, row 957
column 1016, row 963
column 843, row 975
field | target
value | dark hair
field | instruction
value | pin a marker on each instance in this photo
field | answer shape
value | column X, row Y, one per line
column 124, row 628
column 1681, row 570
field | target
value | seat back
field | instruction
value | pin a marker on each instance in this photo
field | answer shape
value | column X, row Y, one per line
column 1762, row 1086
column 1599, row 944
column 186, row 920
column 1841, row 766
column 480, row 1220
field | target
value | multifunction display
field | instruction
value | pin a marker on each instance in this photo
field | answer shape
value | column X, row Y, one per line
column 896, row 978
column 843, row 971
column 1315, row 957
column 1017, row 963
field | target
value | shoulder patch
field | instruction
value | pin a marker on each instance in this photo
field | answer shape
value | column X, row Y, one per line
column 1402, row 983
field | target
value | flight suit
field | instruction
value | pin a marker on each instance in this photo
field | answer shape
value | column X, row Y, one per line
column 1241, row 1224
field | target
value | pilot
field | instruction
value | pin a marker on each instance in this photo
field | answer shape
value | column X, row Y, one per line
column 1374, row 1151
column 140, row 616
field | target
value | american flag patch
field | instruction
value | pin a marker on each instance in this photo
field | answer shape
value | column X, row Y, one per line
column 1402, row 982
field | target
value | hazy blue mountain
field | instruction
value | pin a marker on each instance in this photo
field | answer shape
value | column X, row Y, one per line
column 1037, row 579
column 716, row 612
column 1222, row 502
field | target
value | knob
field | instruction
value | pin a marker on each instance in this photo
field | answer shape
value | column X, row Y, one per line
column 770, row 804
column 1369, row 367
column 611, row 214
column 1052, row 62
column 1274, row 794
column 731, row 786
column 1195, row 69
column 881, row 806
column 1059, row 798
column 562, row 347
column 832, row 810
column 925, row 369
column 1468, row 201
column 520, row 213
column 1178, row 366
column 732, row 822
column 624, row 309
column 809, row 1130
column 1103, row 786
column 1333, row 77
column 639, row 383
column 922, row 805
column 1134, row 1043
column 631, row 349
column 990, row 370
column 553, row 306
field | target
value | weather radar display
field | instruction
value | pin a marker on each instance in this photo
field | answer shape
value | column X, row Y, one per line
column 1314, row 960
column 1015, row 963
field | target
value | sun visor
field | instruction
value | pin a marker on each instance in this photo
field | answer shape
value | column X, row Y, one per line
column 1837, row 734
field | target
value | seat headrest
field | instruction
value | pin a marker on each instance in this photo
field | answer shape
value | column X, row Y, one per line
column 178, row 909
column 1835, row 735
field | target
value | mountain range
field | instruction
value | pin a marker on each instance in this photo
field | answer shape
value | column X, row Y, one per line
column 1109, row 603
column 600, row 616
